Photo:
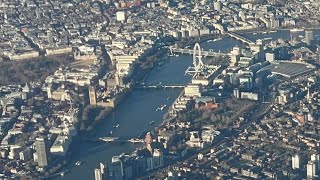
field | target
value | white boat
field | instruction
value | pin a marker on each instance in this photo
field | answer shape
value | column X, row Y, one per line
column 151, row 122
column 210, row 40
column 108, row 139
column 62, row 174
column 267, row 38
column 110, row 132
column 296, row 30
column 254, row 33
column 117, row 125
column 218, row 39
column 177, row 55
column 162, row 107
column 136, row 140
column 78, row 163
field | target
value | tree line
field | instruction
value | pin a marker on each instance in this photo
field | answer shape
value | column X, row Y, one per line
column 21, row 72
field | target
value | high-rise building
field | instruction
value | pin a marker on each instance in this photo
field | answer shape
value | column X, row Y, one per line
column 158, row 158
column 121, row 16
column 316, row 159
column 217, row 6
column 270, row 57
column 236, row 93
column 141, row 165
column 97, row 174
column 116, row 169
column 235, row 55
column 50, row 38
column 92, row 96
column 311, row 169
column 309, row 36
column 25, row 154
column 41, row 151
column 295, row 161
column 104, row 171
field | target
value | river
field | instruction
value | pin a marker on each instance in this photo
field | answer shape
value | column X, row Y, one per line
column 139, row 108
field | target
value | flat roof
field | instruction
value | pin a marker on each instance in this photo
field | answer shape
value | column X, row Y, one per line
column 289, row 69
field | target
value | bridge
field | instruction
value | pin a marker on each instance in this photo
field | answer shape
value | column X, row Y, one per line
column 204, row 53
column 120, row 140
column 240, row 38
column 159, row 86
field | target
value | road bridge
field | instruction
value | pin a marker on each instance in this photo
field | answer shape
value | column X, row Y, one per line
column 241, row 38
column 159, row 86
column 121, row 140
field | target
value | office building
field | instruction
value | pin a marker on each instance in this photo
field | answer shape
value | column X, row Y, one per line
column 311, row 169
column 192, row 90
column 158, row 158
column 25, row 154
column 309, row 36
column 316, row 158
column 270, row 57
column 295, row 161
column 116, row 169
column 121, row 16
column 92, row 96
column 104, row 171
column 217, row 6
column 97, row 174
column 41, row 151
column 236, row 93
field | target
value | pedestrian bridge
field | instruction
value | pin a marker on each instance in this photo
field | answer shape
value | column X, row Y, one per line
column 174, row 50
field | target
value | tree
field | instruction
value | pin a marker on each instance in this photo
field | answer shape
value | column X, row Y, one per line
column 30, row 102
column 213, row 117
column 206, row 114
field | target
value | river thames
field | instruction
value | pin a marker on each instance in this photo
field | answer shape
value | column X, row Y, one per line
column 136, row 112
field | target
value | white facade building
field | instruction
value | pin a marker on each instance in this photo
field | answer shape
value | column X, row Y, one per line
column 295, row 161
column 311, row 169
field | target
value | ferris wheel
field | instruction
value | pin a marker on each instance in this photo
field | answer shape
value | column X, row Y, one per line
column 197, row 58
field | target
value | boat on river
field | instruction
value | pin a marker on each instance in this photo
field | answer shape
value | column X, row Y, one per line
column 296, row 30
column 162, row 107
column 108, row 139
column 78, row 163
column 218, row 39
column 64, row 172
column 151, row 122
